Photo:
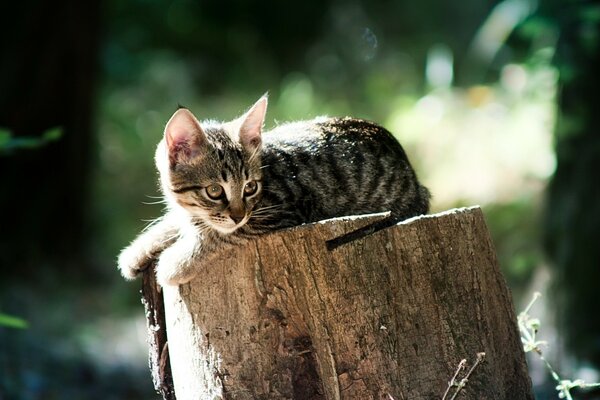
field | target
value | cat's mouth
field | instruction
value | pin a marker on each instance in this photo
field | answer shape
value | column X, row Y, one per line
column 227, row 225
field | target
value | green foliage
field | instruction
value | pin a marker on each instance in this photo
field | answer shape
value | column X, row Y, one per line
column 516, row 231
column 9, row 143
column 528, row 328
column 13, row 322
column 352, row 59
column 470, row 144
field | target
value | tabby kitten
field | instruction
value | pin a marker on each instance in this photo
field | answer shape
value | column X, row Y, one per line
column 227, row 182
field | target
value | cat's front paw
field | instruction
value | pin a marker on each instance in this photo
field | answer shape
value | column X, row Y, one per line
column 170, row 277
column 133, row 261
column 173, row 269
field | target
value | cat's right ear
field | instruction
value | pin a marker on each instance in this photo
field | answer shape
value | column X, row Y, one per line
column 252, row 124
column 184, row 136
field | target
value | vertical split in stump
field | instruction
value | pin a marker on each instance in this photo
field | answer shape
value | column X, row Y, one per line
column 158, row 359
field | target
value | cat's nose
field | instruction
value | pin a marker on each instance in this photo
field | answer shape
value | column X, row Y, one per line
column 236, row 218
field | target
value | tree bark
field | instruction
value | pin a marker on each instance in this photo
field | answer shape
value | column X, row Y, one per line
column 157, row 336
column 572, row 209
column 388, row 316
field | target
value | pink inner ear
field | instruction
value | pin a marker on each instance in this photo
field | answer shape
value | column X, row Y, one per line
column 250, row 135
column 179, row 146
column 183, row 135
column 251, row 128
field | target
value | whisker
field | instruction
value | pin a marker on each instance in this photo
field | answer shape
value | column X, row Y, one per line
column 269, row 214
column 163, row 201
column 270, row 210
column 254, row 154
column 266, row 217
column 200, row 224
column 260, row 219
column 170, row 238
column 268, row 207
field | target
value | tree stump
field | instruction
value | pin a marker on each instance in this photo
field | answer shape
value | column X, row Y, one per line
column 388, row 316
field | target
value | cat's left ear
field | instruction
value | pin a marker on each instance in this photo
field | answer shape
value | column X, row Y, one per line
column 252, row 124
column 184, row 136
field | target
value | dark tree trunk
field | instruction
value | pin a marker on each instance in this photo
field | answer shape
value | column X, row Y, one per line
column 573, row 209
column 48, row 73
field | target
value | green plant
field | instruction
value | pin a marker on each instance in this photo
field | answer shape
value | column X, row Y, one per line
column 529, row 327
column 13, row 322
column 9, row 143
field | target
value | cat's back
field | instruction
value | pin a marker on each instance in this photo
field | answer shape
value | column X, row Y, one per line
column 324, row 132
column 330, row 167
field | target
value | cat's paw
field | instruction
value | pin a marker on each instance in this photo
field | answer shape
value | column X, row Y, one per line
column 133, row 261
column 170, row 277
column 172, row 269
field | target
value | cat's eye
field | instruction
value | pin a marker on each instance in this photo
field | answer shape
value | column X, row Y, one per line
column 250, row 188
column 214, row 191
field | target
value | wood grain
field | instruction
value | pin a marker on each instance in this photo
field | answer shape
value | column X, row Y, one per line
column 388, row 316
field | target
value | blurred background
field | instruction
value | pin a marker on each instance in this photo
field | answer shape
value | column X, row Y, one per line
column 496, row 103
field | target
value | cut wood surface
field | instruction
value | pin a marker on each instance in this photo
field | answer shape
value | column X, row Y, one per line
column 388, row 316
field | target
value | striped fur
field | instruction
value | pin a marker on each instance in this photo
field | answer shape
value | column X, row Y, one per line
column 305, row 172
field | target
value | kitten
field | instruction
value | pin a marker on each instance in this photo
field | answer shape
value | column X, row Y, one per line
column 227, row 182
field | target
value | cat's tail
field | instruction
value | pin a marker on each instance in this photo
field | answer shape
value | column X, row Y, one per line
column 423, row 201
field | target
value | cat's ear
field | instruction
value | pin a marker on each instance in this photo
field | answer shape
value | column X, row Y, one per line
column 252, row 124
column 184, row 136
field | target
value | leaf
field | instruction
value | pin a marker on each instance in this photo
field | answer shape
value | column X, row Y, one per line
column 53, row 134
column 13, row 322
column 8, row 142
column 5, row 136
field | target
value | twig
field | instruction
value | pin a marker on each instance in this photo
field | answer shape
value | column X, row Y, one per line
column 452, row 382
column 463, row 382
column 528, row 327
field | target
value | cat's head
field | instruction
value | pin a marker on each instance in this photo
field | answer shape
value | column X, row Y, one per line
column 213, row 170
